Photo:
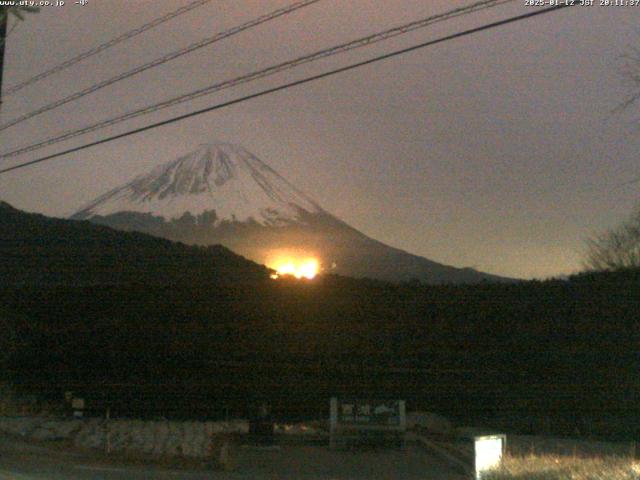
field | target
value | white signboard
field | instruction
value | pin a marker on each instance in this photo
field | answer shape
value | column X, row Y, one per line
column 488, row 453
column 351, row 417
column 370, row 412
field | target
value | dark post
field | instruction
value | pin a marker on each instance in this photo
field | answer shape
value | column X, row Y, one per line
column 107, row 427
column 261, row 425
column 3, row 39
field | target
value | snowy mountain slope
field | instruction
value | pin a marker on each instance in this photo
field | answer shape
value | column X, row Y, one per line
column 222, row 194
column 221, row 177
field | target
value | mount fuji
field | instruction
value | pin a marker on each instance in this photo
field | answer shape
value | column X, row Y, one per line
column 223, row 194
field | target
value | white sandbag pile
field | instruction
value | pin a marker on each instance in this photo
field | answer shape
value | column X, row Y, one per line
column 428, row 422
column 160, row 438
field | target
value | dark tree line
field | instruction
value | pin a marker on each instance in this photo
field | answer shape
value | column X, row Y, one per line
column 534, row 356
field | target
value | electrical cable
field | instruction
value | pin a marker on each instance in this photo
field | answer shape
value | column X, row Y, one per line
column 352, row 45
column 159, row 61
column 104, row 46
column 293, row 84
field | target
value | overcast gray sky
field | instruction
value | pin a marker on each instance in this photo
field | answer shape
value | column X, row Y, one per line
column 497, row 151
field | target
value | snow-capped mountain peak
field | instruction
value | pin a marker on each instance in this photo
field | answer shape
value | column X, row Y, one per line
column 222, row 194
column 219, row 177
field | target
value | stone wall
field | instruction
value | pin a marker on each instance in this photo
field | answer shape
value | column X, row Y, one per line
column 160, row 438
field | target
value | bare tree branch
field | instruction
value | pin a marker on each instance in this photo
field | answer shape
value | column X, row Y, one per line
column 616, row 249
column 630, row 73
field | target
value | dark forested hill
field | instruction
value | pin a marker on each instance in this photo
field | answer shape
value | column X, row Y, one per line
column 546, row 357
column 37, row 250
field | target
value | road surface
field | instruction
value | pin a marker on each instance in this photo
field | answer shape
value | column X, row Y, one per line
column 20, row 460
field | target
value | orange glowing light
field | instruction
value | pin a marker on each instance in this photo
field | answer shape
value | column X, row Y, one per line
column 299, row 268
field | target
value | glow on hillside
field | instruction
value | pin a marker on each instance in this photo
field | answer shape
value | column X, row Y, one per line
column 297, row 267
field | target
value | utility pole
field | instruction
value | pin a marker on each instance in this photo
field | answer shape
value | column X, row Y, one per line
column 4, row 21
column 3, row 39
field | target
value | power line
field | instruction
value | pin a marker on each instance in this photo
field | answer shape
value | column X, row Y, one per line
column 293, row 84
column 161, row 60
column 354, row 44
column 104, row 46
